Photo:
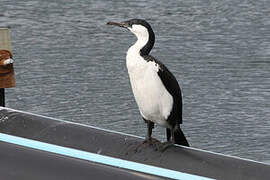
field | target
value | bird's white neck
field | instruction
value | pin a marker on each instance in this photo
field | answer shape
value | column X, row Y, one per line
column 134, row 60
column 135, row 48
column 142, row 38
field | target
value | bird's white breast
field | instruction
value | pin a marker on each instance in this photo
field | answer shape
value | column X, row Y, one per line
column 154, row 101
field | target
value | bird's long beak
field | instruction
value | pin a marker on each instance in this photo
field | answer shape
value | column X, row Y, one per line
column 121, row 24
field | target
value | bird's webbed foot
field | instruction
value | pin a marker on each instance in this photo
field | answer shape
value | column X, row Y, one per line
column 151, row 141
column 166, row 145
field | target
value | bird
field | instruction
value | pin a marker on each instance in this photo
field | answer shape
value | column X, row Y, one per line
column 156, row 90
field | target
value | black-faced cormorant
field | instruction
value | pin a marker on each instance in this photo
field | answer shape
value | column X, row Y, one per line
column 155, row 89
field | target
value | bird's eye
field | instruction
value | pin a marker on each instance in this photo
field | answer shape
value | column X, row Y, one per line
column 129, row 24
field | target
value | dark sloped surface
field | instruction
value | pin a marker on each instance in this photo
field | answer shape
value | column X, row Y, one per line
column 127, row 147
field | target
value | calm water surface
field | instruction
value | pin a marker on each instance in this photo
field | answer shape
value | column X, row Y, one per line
column 70, row 65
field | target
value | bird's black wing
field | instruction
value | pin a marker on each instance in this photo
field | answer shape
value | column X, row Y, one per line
column 172, row 87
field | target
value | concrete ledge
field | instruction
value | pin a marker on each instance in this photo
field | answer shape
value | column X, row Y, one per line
column 127, row 147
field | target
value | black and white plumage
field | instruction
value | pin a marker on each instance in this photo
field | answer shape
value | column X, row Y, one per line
column 155, row 89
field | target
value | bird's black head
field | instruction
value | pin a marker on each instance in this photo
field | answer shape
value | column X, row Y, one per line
column 142, row 30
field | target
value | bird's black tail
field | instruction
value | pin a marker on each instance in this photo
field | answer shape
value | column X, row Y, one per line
column 179, row 137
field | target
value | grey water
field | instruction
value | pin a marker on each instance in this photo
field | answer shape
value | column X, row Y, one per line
column 70, row 65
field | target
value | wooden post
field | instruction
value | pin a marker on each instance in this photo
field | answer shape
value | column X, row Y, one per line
column 2, row 97
column 7, row 79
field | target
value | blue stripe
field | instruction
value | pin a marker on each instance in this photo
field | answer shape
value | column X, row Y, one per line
column 99, row 158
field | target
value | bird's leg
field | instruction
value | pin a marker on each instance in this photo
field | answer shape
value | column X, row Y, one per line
column 170, row 139
column 148, row 139
column 150, row 126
